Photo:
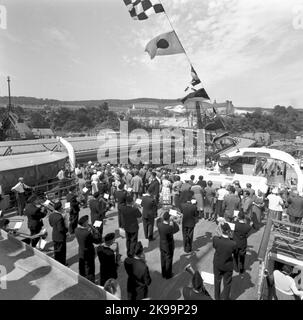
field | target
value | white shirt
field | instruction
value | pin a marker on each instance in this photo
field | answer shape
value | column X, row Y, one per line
column 286, row 284
column 275, row 202
column 19, row 187
column 221, row 193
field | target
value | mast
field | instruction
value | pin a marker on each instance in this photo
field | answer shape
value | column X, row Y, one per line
column 9, row 94
column 199, row 118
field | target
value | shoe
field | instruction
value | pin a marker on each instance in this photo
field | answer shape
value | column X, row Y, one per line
column 151, row 239
column 171, row 276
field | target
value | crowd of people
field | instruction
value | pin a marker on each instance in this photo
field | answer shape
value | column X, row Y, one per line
column 155, row 196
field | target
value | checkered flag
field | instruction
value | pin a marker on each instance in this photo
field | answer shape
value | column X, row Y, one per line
column 142, row 9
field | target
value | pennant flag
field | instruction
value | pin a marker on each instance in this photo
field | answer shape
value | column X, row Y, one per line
column 163, row 45
column 195, row 79
column 201, row 93
column 142, row 9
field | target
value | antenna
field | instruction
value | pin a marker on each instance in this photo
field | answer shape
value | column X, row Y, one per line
column 9, row 93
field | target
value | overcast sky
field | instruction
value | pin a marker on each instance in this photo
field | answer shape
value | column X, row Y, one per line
column 247, row 51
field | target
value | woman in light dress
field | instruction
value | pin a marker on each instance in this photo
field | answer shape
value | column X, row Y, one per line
column 166, row 191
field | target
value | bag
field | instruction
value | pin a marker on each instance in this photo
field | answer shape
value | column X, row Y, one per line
column 97, row 237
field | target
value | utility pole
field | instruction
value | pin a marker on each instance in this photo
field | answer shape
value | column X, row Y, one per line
column 9, row 94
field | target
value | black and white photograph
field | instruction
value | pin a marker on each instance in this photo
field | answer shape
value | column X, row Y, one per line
column 151, row 150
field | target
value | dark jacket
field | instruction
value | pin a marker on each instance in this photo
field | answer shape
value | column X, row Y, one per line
column 108, row 266
column 56, row 221
column 231, row 203
column 154, row 188
column 149, row 206
column 190, row 214
column 138, row 278
column 74, row 204
column 295, row 206
column 129, row 218
column 120, row 196
column 166, row 232
column 85, row 241
column 241, row 233
column 97, row 210
column 34, row 216
column 225, row 248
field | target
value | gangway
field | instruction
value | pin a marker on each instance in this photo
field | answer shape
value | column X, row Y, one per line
column 282, row 241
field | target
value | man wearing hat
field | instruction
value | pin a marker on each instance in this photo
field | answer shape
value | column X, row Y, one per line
column 107, row 254
column 130, row 216
column 137, row 184
column 34, row 215
column 223, row 262
column 86, row 253
column 138, row 274
column 167, row 228
column 56, row 221
column 98, row 208
column 197, row 291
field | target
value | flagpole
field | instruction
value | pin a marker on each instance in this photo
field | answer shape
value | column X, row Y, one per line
column 169, row 21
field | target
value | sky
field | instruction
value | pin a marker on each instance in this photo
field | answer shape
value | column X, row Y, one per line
column 246, row 51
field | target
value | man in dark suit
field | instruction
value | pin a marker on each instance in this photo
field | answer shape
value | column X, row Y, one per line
column 154, row 187
column 74, row 210
column 198, row 291
column 223, row 262
column 34, row 219
column 295, row 210
column 56, row 221
column 97, row 207
column 130, row 216
column 241, row 233
column 107, row 254
column 189, row 220
column 120, row 197
column 86, row 253
column 138, row 275
column 167, row 228
column 149, row 206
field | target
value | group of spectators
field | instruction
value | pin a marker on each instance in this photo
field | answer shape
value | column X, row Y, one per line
column 149, row 195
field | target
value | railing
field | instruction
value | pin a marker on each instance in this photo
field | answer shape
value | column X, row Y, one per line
column 282, row 238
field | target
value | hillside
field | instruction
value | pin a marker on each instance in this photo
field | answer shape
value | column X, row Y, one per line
column 87, row 103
